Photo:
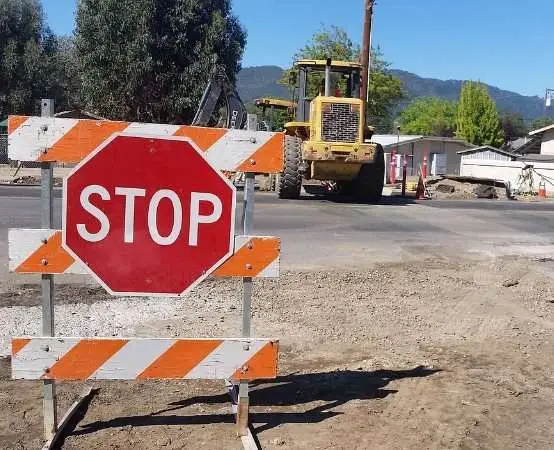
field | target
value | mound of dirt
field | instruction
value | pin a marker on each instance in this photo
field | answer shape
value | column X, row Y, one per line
column 458, row 188
column 28, row 179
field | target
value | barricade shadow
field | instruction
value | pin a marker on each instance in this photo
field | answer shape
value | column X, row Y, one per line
column 333, row 388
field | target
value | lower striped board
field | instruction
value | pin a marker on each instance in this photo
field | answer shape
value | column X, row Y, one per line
column 41, row 251
column 64, row 359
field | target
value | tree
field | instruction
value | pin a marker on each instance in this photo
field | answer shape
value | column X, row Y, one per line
column 542, row 122
column 513, row 126
column 151, row 63
column 429, row 116
column 385, row 90
column 477, row 119
column 28, row 58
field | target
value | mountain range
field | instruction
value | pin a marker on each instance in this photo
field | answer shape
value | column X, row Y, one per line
column 262, row 81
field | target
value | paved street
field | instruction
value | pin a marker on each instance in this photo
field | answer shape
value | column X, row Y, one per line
column 320, row 232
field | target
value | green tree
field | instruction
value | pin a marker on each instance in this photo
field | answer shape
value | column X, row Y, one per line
column 385, row 90
column 384, row 93
column 513, row 126
column 67, row 76
column 151, row 63
column 28, row 58
column 429, row 116
column 477, row 118
column 542, row 122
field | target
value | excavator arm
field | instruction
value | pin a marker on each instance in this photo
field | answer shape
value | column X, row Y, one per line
column 220, row 90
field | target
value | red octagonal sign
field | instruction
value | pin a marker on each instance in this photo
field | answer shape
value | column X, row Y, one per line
column 148, row 216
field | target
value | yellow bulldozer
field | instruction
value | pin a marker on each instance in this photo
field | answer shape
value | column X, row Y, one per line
column 330, row 140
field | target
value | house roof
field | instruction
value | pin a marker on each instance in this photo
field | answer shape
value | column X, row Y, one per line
column 390, row 140
column 541, row 130
column 533, row 145
column 487, row 148
column 536, row 157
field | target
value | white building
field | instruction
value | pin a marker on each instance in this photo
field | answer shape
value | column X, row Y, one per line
column 523, row 172
column 546, row 136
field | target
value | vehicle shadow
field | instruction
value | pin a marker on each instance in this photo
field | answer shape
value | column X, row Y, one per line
column 333, row 388
column 320, row 193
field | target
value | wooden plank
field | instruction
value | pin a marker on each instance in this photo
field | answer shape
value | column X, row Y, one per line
column 52, row 442
column 60, row 358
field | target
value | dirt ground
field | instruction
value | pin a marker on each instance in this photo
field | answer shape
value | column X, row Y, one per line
column 448, row 353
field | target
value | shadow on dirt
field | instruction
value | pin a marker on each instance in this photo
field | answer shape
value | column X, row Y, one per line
column 334, row 388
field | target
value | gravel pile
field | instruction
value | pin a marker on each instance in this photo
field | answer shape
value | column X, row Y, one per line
column 85, row 311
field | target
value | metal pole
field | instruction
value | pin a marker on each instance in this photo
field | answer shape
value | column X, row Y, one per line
column 47, row 282
column 404, row 174
column 392, row 175
column 328, row 78
column 247, row 225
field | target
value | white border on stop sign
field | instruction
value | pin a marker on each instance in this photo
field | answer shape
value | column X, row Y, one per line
column 147, row 136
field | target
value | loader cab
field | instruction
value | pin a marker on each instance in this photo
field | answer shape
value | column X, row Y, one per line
column 325, row 78
column 271, row 108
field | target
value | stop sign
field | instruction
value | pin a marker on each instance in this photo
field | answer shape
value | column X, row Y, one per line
column 148, row 216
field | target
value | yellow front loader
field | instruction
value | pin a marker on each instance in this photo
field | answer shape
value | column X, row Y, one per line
column 329, row 141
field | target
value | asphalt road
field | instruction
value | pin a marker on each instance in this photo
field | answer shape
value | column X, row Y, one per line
column 318, row 232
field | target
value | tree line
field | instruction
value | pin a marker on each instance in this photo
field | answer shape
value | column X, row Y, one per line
column 135, row 60
column 473, row 118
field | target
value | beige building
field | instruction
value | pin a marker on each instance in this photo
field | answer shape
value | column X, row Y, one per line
column 442, row 152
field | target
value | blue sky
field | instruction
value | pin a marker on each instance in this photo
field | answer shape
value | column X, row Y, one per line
column 506, row 43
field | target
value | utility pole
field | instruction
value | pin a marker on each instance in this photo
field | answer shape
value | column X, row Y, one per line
column 366, row 48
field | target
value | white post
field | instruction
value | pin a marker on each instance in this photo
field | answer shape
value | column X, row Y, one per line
column 247, row 218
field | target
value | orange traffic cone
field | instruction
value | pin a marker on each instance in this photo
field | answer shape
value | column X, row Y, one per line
column 420, row 192
column 542, row 189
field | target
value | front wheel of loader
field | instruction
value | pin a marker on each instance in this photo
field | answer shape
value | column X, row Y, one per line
column 290, row 181
column 368, row 185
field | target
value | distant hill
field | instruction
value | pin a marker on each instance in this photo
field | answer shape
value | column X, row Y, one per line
column 255, row 82
column 529, row 107
column 262, row 81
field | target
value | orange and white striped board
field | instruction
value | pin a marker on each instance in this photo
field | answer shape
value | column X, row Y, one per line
column 60, row 358
column 41, row 251
column 71, row 140
column 254, row 256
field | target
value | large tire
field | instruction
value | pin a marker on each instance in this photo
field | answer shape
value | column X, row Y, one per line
column 368, row 185
column 290, row 181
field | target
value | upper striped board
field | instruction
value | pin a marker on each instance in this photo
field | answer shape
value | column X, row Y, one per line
column 53, row 139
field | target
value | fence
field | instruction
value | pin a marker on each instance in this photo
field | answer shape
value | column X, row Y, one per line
column 511, row 172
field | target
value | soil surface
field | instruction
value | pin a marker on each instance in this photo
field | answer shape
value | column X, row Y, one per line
column 441, row 354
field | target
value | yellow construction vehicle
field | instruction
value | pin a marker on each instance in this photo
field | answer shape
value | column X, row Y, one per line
column 329, row 141
column 269, row 107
